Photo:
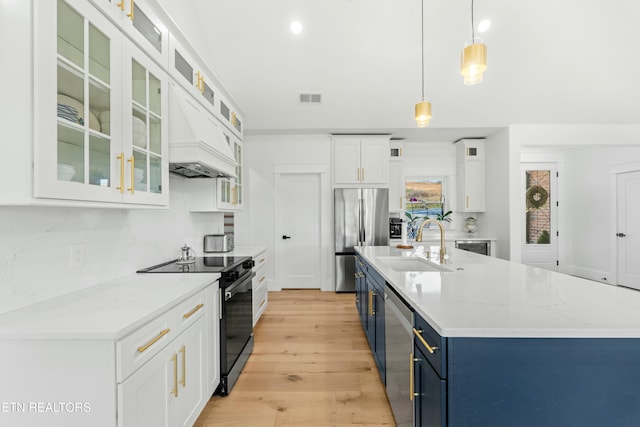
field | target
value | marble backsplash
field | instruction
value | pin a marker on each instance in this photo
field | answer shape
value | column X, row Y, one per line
column 36, row 245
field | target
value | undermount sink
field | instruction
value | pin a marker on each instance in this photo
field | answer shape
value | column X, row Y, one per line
column 403, row 263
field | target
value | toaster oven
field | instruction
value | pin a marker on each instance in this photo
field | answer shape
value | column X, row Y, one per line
column 218, row 243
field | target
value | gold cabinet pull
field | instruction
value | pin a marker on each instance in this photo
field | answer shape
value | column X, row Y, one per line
column 183, row 381
column 154, row 340
column 121, row 5
column 262, row 279
column 418, row 333
column 400, row 150
column 234, row 119
column 467, row 202
column 234, row 195
column 358, row 174
column 200, row 82
column 411, row 387
column 131, row 8
column 370, row 303
column 193, row 311
column 261, row 261
column 174, row 359
column 121, row 187
column 262, row 303
column 132, row 160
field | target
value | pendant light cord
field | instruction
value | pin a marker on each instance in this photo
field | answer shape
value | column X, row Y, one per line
column 422, row 44
column 473, row 30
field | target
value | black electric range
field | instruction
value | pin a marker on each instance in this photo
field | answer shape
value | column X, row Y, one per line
column 231, row 268
column 236, row 308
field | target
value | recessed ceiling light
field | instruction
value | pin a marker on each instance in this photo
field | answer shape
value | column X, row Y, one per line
column 484, row 25
column 296, row 27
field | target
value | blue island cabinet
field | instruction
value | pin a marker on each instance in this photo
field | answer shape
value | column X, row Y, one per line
column 429, row 373
column 525, row 382
column 370, row 304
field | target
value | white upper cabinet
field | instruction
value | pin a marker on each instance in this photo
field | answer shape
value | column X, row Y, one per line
column 470, row 175
column 395, row 149
column 220, row 194
column 361, row 159
column 99, row 125
column 190, row 74
column 230, row 117
column 145, row 138
column 142, row 24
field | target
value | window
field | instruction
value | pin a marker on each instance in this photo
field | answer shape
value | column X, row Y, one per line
column 537, row 194
column 425, row 196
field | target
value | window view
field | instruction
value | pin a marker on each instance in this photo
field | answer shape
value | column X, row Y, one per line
column 425, row 199
column 537, row 195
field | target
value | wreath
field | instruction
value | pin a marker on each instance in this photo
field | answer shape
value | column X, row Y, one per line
column 536, row 197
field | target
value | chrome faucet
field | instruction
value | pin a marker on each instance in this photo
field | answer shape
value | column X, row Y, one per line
column 419, row 236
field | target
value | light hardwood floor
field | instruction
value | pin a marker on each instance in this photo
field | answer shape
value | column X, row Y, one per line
column 311, row 366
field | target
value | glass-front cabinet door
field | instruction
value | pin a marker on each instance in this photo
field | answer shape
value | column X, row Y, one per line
column 146, row 29
column 189, row 73
column 145, row 129
column 77, row 91
column 231, row 190
column 82, row 73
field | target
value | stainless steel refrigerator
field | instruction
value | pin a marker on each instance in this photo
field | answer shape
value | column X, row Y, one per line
column 361, row 218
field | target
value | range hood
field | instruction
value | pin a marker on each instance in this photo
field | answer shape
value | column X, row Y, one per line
column 197, row 146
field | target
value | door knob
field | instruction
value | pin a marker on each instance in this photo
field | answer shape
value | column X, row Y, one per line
column 620, row 234
column 285, row 237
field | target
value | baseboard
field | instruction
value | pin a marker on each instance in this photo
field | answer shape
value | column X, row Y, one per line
column 587, row 273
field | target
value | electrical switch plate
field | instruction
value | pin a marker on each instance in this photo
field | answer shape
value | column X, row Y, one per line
column 77, row 255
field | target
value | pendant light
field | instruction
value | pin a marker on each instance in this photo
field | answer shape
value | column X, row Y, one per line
column 423, row 107
column 474, row 57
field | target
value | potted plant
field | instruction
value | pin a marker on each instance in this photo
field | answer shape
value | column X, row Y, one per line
column 414, row 221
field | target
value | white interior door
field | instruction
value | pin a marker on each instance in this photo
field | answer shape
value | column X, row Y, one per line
column 298, row 231
column 628, row 230
column 540, row 240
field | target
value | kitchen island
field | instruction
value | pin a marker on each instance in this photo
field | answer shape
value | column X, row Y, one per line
column 514, row 345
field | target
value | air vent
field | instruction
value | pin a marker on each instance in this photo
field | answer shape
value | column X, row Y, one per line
column 310, row 98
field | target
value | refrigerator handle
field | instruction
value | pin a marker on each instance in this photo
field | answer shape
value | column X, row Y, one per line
column 362, row 225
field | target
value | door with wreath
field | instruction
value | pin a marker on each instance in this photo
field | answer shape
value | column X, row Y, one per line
column 540, row 241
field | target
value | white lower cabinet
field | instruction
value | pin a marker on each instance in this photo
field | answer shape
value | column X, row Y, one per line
column 143, row 399
column 260, row 288
column 170, row 389
column 161, row 374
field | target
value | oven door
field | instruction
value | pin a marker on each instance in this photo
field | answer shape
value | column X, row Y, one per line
column 236, row 325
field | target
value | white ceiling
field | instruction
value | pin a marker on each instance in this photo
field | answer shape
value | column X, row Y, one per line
column 549, row 62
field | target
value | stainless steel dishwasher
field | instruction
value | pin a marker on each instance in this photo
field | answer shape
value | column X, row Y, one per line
column 398, row 319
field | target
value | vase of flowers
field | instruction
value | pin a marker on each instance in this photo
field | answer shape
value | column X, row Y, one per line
column 414, row 220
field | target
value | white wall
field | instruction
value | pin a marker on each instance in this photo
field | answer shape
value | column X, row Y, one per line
column 555, row 136
column 35, row 249
column 591, row 208
column 588, row 153
column 496, row 218
column 262, row 155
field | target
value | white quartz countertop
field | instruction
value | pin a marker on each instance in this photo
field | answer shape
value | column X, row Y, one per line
column 108, row 311
column 483, row 296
